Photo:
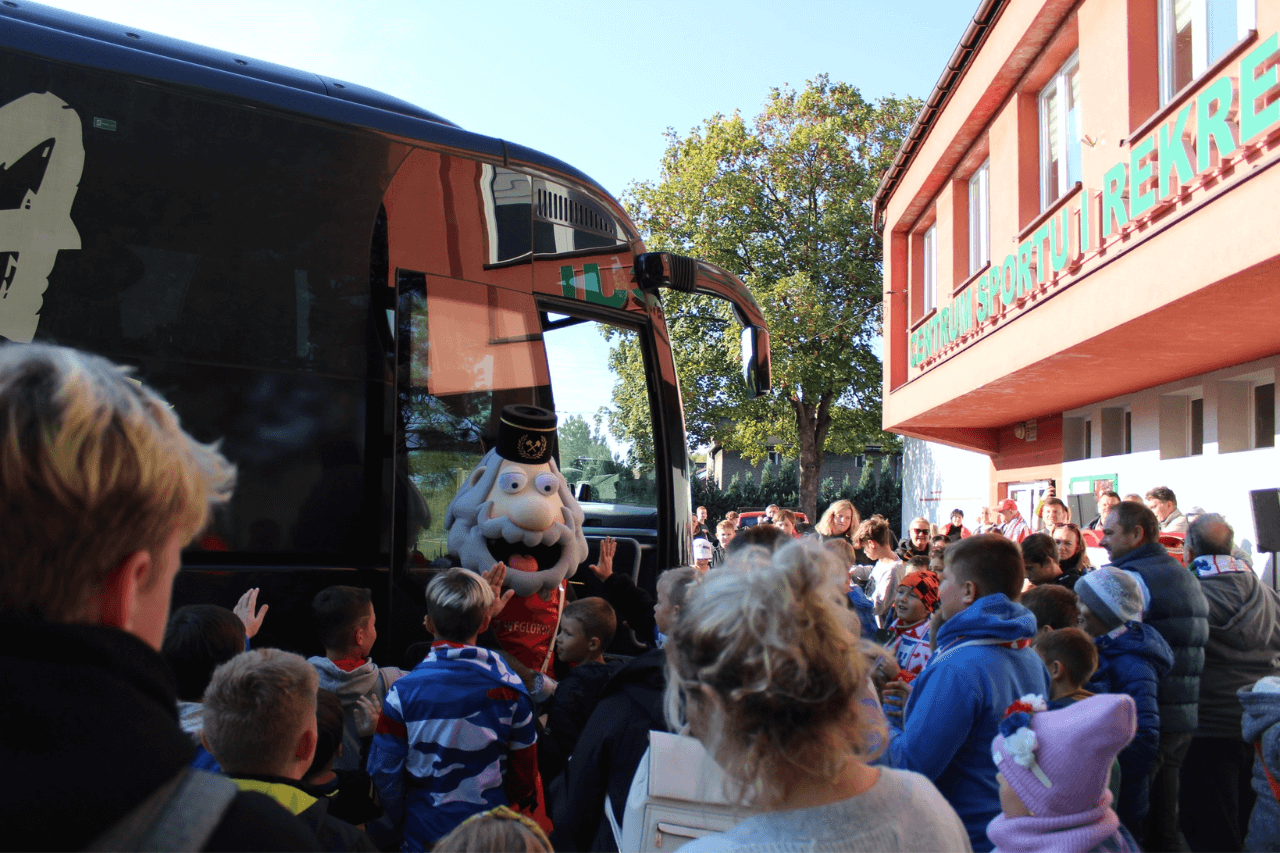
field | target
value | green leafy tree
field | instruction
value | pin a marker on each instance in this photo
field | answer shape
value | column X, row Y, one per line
column 585, row 457
column 784, row 202
column 579, row 443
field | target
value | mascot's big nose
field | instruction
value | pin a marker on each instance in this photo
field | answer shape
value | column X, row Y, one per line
column 532, row 512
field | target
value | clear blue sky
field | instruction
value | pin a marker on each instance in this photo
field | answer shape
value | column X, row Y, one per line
column 593, row 83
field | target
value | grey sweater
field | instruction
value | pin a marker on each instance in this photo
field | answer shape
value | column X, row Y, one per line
column 901, row 811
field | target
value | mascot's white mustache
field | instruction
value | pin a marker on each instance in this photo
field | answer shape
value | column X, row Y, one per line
column 504, row 528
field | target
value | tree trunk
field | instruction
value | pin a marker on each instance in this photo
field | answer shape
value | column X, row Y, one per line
column 812, row 423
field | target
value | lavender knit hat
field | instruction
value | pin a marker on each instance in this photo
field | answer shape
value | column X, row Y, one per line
column 1058, row 762
column 1112, row 595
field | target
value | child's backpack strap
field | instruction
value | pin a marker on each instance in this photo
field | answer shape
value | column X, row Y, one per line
column 1275, row 786
column 180, row 815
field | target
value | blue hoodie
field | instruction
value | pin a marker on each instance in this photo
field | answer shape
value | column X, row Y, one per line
column 1262, row 725
column 1133, row 662
column 957, row 702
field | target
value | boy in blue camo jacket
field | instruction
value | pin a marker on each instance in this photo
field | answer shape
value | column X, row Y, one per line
column 456, row 736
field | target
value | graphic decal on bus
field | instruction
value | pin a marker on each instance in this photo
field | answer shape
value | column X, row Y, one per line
column 587, row 285
column 42, row 156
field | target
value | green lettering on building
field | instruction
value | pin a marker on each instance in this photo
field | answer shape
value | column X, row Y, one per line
column 1158, row 165
column 1039, row 241
column 1173, row 153
column 1025, row 281
column 1009, row 280
column 962, row 310
column 1140, row 169
column 1061, row 239
column 1086, row 234
column 1212, row 124
column 1254, row 86
column 1114, row 214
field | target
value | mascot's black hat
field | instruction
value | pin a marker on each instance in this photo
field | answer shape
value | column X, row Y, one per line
column 527, row 434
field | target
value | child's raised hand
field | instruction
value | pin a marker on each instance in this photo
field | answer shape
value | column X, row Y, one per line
column 367, row 710
column 894, row 698
column 885, row 671
column 603, row 569
column 245, row 610
column 495, row 577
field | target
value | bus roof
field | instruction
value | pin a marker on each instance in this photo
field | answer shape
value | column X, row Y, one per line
column 76, row 39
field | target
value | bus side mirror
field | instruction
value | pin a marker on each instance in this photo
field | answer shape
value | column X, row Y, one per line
column 755, row 359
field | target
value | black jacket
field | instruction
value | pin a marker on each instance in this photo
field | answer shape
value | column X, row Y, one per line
column 633, row 606
column 607, row 755
column 570, row 707
column 905, row 551
column 1180, row 613
column 334, row 835
column 90, row 730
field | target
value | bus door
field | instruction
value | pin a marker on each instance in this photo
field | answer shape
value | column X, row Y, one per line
column 618, row 483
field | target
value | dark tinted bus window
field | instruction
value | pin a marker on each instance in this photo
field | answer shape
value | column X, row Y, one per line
column 465, row 351
column 224, row 252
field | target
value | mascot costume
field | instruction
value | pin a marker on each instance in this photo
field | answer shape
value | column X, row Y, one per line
column 516, row 508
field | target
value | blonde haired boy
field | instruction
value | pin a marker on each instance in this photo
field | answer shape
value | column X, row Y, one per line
column 101, row 491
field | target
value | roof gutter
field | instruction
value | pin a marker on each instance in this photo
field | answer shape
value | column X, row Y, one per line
column 986, row 16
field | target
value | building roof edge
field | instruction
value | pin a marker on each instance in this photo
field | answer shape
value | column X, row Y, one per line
column 988, row 13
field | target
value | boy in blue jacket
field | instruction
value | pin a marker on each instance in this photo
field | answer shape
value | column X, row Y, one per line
column 983, row 664
column 457, row 735
column 1132, row 658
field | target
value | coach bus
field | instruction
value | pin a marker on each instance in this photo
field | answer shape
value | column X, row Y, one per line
column 341, row 287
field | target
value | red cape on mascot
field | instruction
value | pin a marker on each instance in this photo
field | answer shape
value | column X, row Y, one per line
column 516, row 508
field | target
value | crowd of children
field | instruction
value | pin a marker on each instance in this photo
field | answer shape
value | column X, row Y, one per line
column 982, row 720
column 1031, row 708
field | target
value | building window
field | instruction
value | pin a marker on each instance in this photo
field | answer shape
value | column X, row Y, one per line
column 1264, row 415
column 1182, row 424
column 979, row 219
column 1194, row 34
column 775, row 456
column 929, row 279
column 1060, row 133
column 1116, row 431
column 1195, row 428
column 1088, row 439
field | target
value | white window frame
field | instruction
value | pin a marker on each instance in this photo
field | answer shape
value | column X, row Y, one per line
column 980, row 218
column 1246, row 12
column 929, row 269
column 1058, row 87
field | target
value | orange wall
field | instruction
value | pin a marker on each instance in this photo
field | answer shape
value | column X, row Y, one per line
column 1075, row 340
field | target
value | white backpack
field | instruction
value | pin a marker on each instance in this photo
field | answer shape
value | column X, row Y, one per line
column 677, row 795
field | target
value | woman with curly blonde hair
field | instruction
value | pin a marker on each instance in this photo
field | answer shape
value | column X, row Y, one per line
column 765, row 666
column 840, row 521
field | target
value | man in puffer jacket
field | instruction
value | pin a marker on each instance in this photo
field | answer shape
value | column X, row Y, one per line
column 1176, row 607
column 1262, row 728
column 1244, row 646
